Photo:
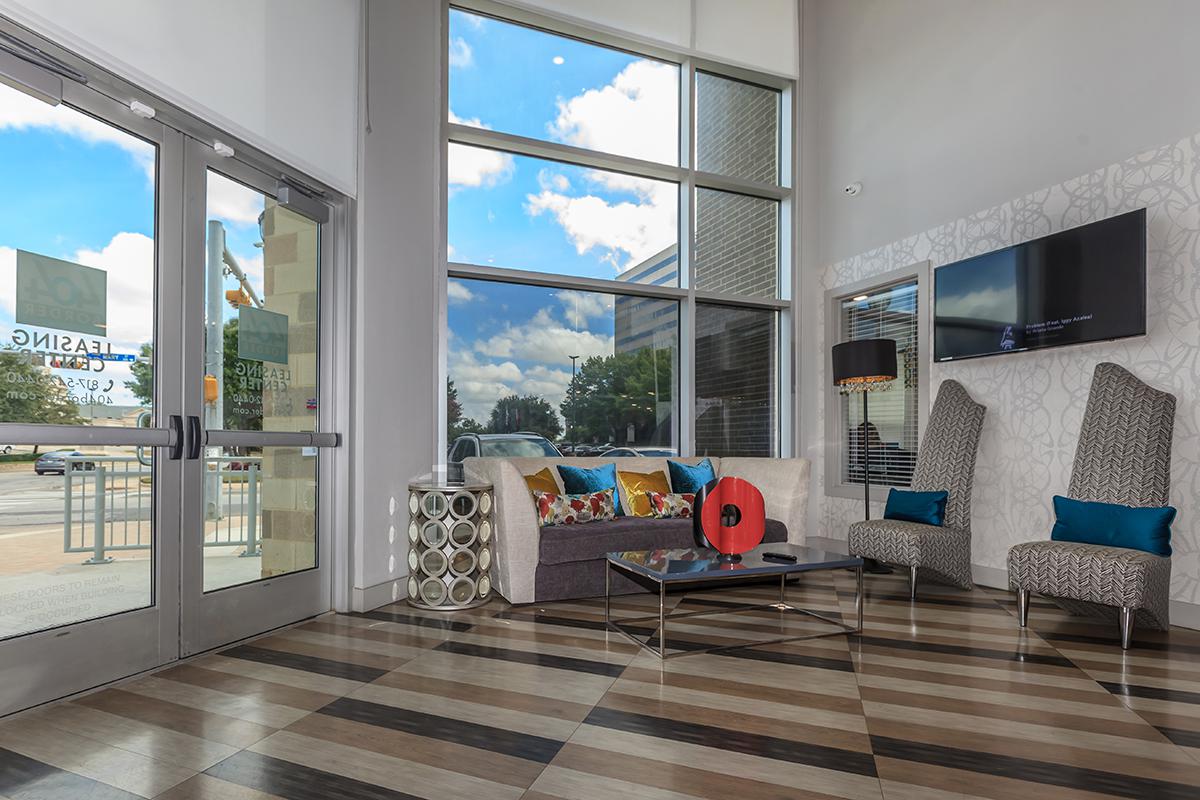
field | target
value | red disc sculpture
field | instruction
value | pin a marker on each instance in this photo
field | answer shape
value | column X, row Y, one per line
column 729, row 516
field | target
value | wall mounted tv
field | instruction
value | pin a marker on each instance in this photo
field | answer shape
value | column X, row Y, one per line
column 1085, row 284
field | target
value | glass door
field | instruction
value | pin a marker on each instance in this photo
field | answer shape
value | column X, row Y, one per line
column 255, row 545
column 91, row 427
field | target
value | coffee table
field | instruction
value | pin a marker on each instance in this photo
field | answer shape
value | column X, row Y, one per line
column 706, row 568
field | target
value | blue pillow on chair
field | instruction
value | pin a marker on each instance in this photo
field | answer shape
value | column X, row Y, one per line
column 927, row 508
column 580, row 480
column 690, row 479
column 1113, row 525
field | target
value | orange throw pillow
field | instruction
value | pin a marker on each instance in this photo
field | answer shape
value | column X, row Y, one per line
column 543, row 482
column 635, row 485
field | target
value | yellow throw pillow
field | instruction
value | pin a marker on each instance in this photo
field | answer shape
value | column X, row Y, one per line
column 544, row 482
column 636, row 484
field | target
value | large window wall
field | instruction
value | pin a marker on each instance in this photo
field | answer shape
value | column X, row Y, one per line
column 618, row 271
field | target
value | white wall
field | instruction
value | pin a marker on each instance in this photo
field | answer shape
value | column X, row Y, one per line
column 944, row 107
column 280, row 74
column 759, row 34
column 399, row 283
column 975, row 126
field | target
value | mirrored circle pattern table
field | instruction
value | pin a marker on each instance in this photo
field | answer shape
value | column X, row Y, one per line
column 450, row 547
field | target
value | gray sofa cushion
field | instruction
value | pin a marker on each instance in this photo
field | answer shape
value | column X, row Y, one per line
column 564, row 544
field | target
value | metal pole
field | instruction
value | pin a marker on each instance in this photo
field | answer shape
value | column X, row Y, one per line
column 574, row 421
column 859, row 600
column 607, row 591
column 662, row 619
column 866, row 459
column 214, row 355
column 98, row 521
column 251, row 512
column 67, row 498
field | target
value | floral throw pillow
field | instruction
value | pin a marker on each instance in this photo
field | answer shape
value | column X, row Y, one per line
column 573, row 509
column 665, row 505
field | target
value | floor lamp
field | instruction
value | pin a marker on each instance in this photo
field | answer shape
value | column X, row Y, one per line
column 863, row 366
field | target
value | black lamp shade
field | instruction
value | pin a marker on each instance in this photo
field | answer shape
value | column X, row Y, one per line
column 864, row 361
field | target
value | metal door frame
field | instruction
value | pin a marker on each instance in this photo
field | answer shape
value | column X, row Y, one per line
column 48, row 664
column 211, row 619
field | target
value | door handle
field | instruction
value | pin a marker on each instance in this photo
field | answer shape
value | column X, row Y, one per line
column 176, row 451
column 193, row 437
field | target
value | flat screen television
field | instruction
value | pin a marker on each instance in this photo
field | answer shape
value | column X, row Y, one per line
column 1085, row 284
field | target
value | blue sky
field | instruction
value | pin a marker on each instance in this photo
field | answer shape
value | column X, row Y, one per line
column 531, row 214
column 77, row 189
column 74, row 188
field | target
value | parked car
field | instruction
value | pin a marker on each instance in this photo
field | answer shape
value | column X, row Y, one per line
column 56, row 461
column 511, row 445
column 648, row 452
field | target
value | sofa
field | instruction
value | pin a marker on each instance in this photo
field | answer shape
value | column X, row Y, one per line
column 534, row 564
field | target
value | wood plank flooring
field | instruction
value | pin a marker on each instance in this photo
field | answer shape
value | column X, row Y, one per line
column 945, row 698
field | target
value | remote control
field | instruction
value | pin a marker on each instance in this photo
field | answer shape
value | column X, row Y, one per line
column 779, row 556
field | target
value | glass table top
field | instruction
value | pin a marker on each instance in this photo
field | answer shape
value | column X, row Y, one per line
column 692, row 563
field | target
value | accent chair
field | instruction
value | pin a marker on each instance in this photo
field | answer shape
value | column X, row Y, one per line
column 1123, row 457
column 945, row 462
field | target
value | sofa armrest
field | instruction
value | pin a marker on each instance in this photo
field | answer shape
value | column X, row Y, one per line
column 784, row 485
column 517, row 531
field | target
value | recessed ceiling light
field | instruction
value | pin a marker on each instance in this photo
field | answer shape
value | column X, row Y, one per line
column 860, row 298
column 558, row 59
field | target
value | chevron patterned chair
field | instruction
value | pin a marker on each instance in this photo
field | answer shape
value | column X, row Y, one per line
column 945, row 462
column 1123, row 456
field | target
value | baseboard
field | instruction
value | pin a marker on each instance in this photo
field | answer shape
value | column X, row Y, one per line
column 1185, row 615
column 372, row 597
column 991, row 577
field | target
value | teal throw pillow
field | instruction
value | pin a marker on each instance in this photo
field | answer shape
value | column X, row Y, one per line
column 927, row 508
column 1113, row 525
column 690, row 479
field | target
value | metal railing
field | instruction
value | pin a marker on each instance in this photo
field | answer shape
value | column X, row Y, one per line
column 107, row 505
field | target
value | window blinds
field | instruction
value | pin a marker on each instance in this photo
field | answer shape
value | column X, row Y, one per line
column 887, row 312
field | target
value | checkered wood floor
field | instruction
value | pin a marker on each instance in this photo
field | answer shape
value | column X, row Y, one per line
column 946, row 698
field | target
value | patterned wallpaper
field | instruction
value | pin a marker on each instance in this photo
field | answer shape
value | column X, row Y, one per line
column 1035, row 400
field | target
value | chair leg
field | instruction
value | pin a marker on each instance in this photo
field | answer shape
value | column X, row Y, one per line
column 1127, row 617
column 1023, row 607
column 912, row 583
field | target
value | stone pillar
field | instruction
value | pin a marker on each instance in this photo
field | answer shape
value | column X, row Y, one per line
column 288, row 497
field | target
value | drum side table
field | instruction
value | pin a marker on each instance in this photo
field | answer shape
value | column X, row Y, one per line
column 450, row 545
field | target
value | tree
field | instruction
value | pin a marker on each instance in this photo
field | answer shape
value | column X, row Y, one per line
column 242, row 401
column 528, row 413
column 610, row 393
column 142, row 370
column 242, row 387
column 456, row 423
column 32, row 394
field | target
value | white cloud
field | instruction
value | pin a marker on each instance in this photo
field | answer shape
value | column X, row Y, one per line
column 480, row 384
column 471, row 167
column 457, row 292
column 635, row 228
column 231, row 202
column 637, row 114
column 981, row 304
column 461, row 56
column 579, row 307
column 129, row 261
column 19, row 111
column 471, row 122
column 252, row 266
column 544, row 339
